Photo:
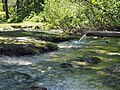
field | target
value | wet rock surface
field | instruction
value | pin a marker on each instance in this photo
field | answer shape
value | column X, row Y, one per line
column 66, row 65
column 115, row 70
column 111, row 81
column 38, row 88
column 26, row 49
column 112, row 77
column 91, row 60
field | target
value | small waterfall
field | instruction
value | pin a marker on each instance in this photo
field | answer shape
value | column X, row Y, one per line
column 83, row 39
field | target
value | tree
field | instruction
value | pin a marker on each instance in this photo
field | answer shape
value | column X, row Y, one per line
column 3, row 5
column 41, row 2
column 17, row 5
column 6, row 9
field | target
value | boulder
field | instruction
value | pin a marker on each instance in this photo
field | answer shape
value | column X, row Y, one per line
column 91, row 60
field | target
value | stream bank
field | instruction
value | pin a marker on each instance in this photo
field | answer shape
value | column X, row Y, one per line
column 30, row 42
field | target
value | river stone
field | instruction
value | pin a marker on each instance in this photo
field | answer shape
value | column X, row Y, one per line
column 114, row 70
column 38, row 88
column 92, row 60
column 66, row 65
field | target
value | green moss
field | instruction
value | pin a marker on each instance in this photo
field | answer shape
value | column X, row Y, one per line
column 39, row 35
column 26, row 48
column 109, row 65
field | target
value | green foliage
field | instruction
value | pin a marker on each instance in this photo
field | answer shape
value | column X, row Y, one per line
column 67, row 15
column 61, row 13
column 2, row 16
column 70, row 14
column 27, row 11
column 33, row 17
column 1, row 6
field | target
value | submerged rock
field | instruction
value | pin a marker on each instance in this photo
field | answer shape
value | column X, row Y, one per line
column 111, row 77
column 113, row 70
column 91, row 60
column 111, row 81
column 38, row 88
column 106, row 41
column 66, row 65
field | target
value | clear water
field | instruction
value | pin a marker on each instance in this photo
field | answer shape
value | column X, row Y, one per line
column 20, row 73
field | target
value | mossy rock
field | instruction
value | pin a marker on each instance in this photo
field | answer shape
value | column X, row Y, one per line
column 66, row 65
column 113, row 70
column 38, row 88
column 90, row 60
column 112, row 77
column 30, row 48
column 111, row 81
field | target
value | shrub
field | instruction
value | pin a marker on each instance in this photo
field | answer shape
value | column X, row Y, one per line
column 82, row 14
column 2, row 16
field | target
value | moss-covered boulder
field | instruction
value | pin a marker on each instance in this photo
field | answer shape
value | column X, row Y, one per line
column 90, row 60
column 17, row 48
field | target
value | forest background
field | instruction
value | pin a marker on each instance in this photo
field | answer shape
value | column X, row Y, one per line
column 66, row 15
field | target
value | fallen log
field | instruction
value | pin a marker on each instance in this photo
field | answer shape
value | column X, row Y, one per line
column 103, row 33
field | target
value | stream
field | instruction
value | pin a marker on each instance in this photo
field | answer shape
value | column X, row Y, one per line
column 20, row 73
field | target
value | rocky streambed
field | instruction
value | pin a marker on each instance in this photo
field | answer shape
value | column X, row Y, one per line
column 75, row 66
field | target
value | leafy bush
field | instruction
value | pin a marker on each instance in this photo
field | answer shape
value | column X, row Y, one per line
column 66, row 14
column 83, row 14
column 2, row 16
column 33, row 17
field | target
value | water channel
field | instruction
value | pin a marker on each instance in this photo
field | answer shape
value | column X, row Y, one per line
column 20, row 73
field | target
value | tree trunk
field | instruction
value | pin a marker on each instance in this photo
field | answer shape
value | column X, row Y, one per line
column 6, row 9
column 40, row 2
column 103, row 33
column 3, row 5
column 17, row 4
column 34, row 2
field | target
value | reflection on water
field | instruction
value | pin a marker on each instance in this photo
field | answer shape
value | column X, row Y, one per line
column 23, row 60
column 20, row 73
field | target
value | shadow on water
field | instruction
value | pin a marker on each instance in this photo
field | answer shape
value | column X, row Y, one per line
column 20, row 73
column 38, row 35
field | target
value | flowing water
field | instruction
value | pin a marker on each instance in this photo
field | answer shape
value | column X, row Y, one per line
column 83, row 38
column 20, row 73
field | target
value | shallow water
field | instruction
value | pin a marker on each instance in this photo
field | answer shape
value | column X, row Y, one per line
column 20, row 73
